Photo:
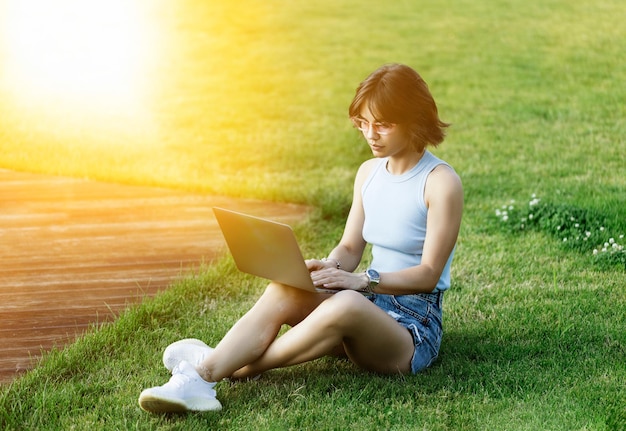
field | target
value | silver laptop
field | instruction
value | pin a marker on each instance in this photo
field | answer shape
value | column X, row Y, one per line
column 265, row 248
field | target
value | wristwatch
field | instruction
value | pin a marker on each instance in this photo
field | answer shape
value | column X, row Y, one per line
column 374, row 278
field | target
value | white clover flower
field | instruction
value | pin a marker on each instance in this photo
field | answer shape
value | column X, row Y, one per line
column 621, row 236
column 564, row 239
column 595, row 251
column 576, row 225
column 505, row 217
column 611, row 241
column 510, row 207
column 530, row 216
column 587, row 234
column 601, row 228
column 606, row 244
column 498, row 213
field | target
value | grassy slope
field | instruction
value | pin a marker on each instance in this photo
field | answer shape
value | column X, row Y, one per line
column 535, row 338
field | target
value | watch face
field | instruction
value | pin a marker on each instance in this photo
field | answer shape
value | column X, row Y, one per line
column 373, row 275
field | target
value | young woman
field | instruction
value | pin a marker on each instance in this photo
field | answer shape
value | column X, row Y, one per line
column 407, row 204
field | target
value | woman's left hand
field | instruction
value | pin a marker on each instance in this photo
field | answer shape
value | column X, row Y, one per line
column 333, row 278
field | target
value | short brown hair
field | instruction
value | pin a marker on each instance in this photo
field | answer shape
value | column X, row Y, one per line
column 395, row 93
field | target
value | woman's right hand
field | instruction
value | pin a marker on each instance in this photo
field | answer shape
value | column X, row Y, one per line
column 319, row 264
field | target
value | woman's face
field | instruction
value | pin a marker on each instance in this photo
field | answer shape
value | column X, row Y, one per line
column 384, row 141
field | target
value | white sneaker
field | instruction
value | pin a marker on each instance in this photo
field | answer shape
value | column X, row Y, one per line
column 186, row 391
column 190, row 349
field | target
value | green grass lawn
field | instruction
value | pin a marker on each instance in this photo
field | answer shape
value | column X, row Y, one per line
column 250, row 99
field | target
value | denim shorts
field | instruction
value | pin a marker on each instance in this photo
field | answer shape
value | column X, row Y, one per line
column 421, row 315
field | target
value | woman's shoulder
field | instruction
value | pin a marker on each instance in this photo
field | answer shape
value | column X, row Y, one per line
column 369, row 165
column 445, row 172
column 443, row 181
column 365, row 170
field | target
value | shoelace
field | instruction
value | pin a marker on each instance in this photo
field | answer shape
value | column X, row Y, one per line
column 179, row 379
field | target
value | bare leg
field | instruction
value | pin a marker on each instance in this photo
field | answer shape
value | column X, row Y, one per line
column 248, row 339
column 370, row 338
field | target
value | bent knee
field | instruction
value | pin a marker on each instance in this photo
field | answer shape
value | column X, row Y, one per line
column 277, row 288
column 346, row 302
column 291, row 303
column 344, row 310
column 283, row 292
column 350, row 295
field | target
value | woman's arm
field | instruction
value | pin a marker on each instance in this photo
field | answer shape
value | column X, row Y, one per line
column 444, row 198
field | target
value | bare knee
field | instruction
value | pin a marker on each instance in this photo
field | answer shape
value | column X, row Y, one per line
column 283, row 295
column 344, row 305
column 350, row 298
column 280, row 291
column 291, row 303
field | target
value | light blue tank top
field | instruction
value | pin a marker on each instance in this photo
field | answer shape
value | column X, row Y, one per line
column 395, row 217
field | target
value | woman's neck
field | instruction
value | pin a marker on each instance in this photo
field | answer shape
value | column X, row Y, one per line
column 398, row 165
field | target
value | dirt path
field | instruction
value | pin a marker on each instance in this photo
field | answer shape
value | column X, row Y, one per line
column 75, row 252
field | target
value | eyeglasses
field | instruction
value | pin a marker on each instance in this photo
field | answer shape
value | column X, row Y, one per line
column 381, row 128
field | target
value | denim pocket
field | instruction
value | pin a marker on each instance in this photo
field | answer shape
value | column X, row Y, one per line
column 414, row 306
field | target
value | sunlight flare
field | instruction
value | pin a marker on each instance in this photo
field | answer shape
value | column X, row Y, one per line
column 75, row 54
